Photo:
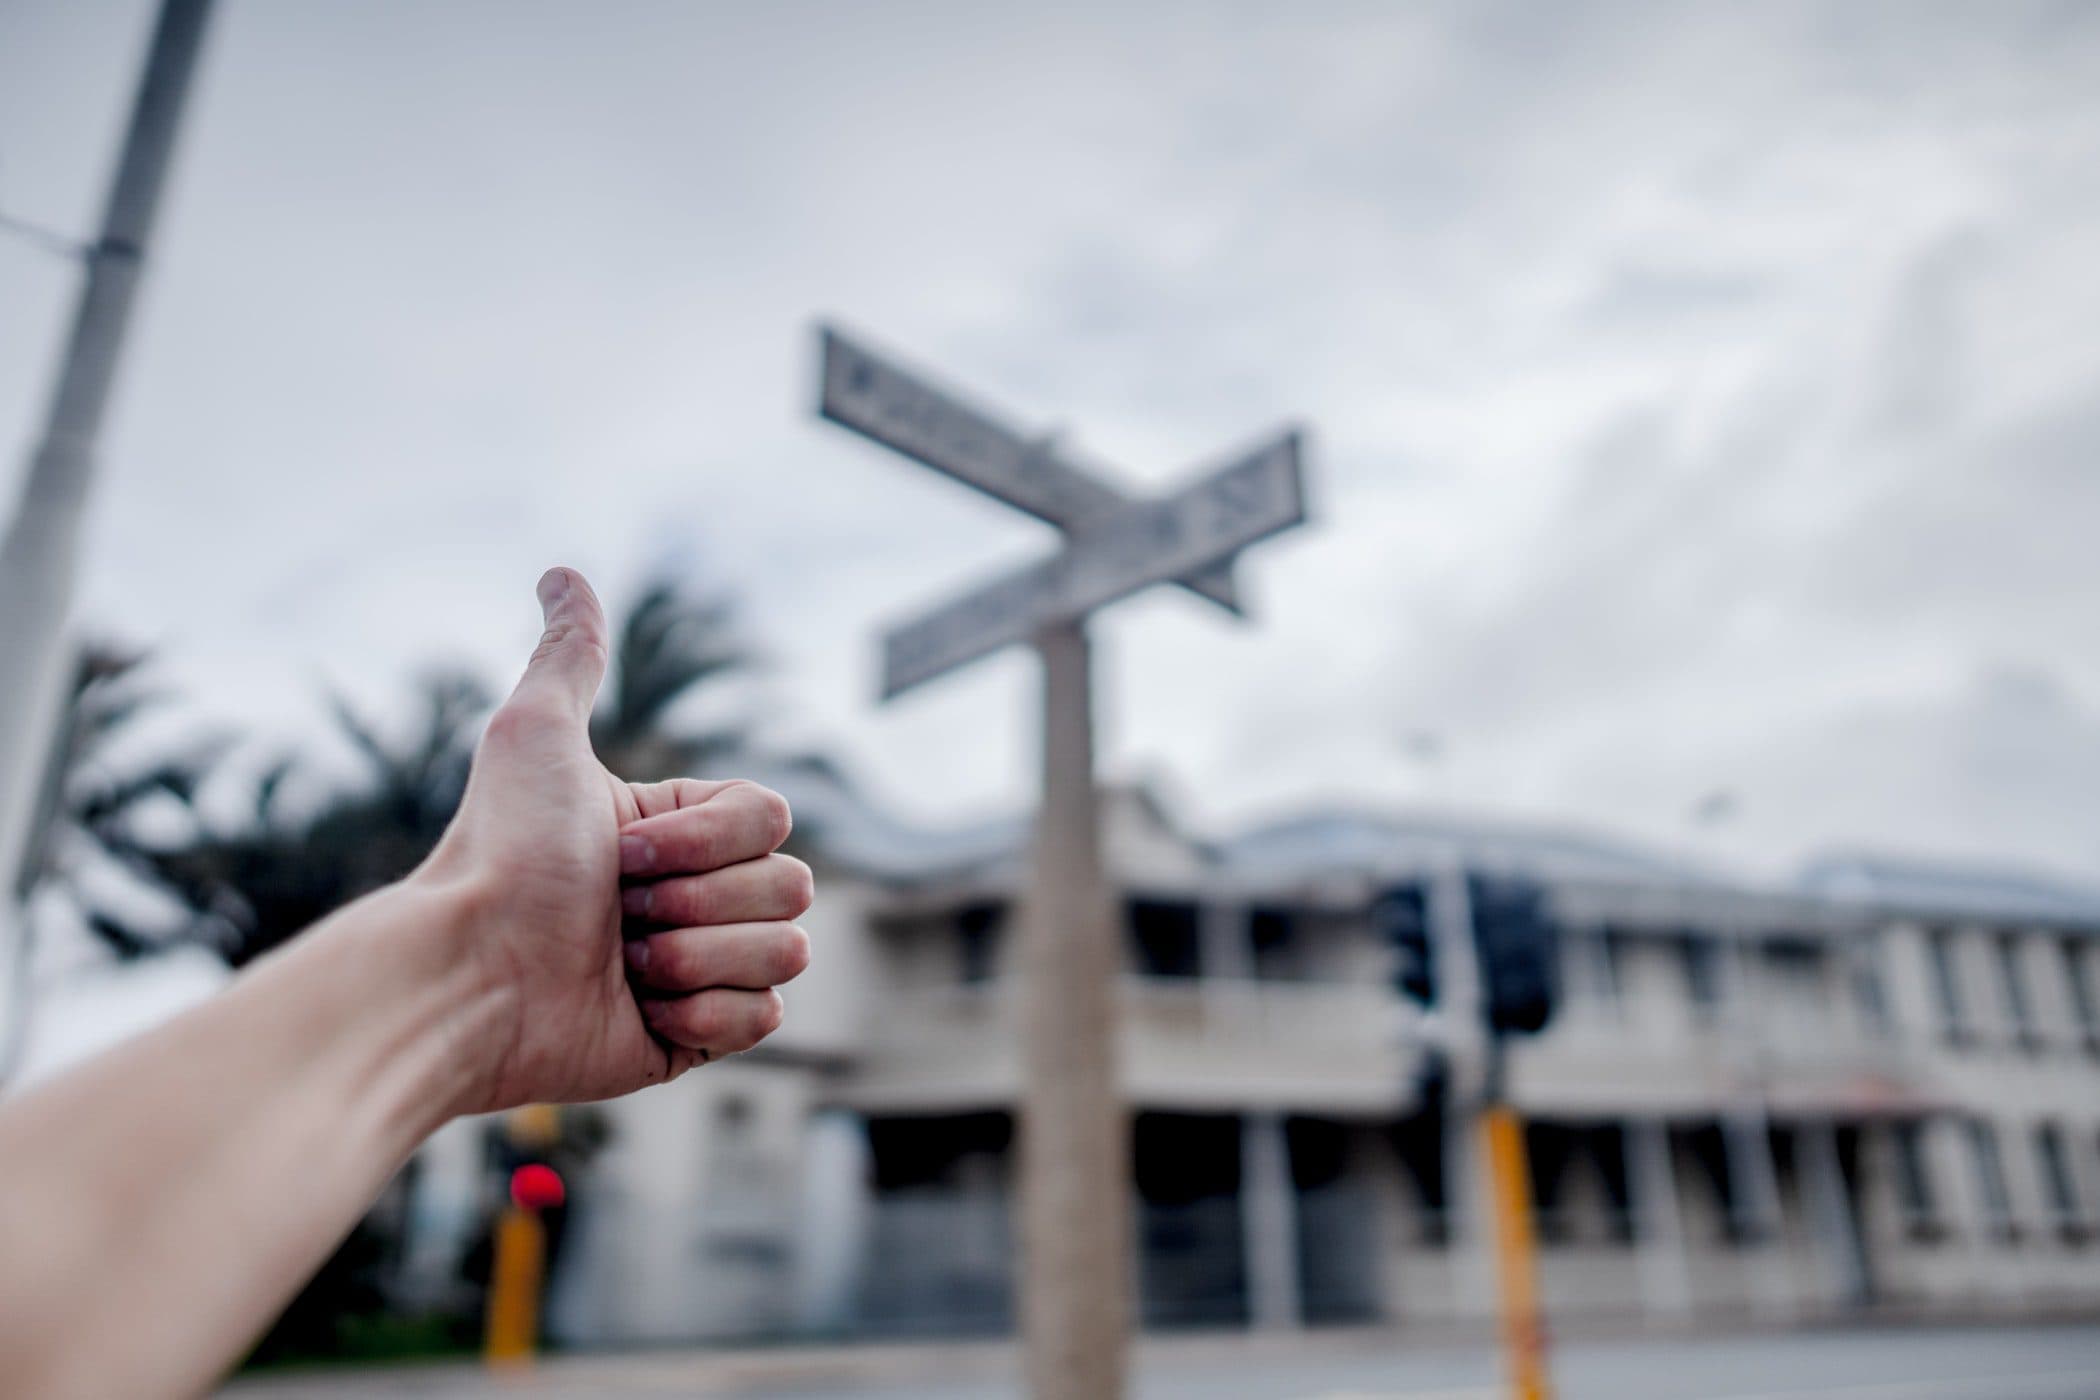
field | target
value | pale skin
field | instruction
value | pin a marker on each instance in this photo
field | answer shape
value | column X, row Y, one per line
column 572, row 937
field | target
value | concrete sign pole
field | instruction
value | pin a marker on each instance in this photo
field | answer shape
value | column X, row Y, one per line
column 1075, row 1134
column 1076, row 1251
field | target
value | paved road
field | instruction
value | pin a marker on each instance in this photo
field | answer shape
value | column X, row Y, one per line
column 1912, row 1363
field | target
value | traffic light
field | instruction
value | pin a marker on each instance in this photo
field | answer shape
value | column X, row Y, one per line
column 1401, row 917
column 1519, row 952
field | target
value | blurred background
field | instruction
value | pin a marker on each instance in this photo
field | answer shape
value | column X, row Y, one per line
column 1703, row 493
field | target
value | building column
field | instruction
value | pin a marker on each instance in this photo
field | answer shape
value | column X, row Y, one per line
column 1996, row 1275
column 837, row 1208
column 1756, row 1181
column 1830, row 1209
column 1665, row 1272
column 1269, row 1224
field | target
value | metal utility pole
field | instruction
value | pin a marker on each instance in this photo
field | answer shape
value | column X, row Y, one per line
column 1076, row 1252
column 37, row 555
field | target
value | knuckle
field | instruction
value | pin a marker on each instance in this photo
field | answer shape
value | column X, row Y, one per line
column 673, row 961
column 678, row 901
column 567, row 634
column 517, row 724
column 705, row 1020
column 508, row 724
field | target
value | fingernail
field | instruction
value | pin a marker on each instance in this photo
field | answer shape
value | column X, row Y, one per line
column 636, row 951
column 635, row 899
column 637, row 855
column 553, row 587
column 653, row 1011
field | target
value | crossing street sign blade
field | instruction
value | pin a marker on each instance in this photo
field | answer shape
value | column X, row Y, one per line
column 1151, row 542
column 878, row 398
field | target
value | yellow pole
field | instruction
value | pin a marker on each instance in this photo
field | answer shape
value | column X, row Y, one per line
column 1516, row 1255
column 514, row 1288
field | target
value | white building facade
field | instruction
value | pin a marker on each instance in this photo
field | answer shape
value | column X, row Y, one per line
column 1877, row 1093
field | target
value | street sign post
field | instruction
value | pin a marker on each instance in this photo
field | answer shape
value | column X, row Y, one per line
column 1076, row 1258
column 1112, row 556
column 880, row 399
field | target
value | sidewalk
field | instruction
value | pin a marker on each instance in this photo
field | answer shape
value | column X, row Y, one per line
column 1914, row 1362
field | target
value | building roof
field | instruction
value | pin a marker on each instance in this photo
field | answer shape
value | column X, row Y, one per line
column 845, row 830
column 1346, row 841
column 1944, row 888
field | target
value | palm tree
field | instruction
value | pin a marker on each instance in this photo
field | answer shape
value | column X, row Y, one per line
column 91, row 822
column 244, row 887
column 95, row 810
column 669, row 645
column 276, row 872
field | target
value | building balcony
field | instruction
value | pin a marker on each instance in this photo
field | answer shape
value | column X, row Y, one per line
column 1590, row 1065
column 1188, row 1045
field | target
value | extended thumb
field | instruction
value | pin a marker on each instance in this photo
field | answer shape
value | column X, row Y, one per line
column 569, row 662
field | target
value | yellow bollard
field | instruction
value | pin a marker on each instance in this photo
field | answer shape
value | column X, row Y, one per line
column 517, row 1273
column 514, row 1288
column 1516, row 1255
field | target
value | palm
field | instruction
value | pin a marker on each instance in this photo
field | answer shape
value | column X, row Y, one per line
column 546, row 815
column 539, row 832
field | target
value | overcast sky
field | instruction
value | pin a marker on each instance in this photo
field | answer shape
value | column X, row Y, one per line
column 1706, row 399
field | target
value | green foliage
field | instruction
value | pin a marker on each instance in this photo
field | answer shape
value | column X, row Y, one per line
column 94, row 806
column 248, row 885
column 667, row 648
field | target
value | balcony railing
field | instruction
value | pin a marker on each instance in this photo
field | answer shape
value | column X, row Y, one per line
column 1185, row 1043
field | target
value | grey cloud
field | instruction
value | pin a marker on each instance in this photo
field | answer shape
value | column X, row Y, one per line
column 1688, row 382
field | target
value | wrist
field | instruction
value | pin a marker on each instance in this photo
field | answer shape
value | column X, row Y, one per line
column 422, row 1016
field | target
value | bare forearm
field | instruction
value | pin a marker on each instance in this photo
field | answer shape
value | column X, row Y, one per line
column 161, row 1203
column 571, row 937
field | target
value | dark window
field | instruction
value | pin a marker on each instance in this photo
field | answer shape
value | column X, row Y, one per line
column 2057, row 1186
column 923, row 1152
column 1319, row 1152
column 1164, row 939
column 1590, row 966
column 1914, row 1192
column 2019, row 1012
column 1953, row 1017
column 1702, row 975
column 1707, row 1146
column 1191, row 1253
column 1558, row 1156
column 1611, row 954
column 1990, row 1175
column 2082, row 1003
column 978, row 931
column 1609, row 1147
column 1279, row 955
column 1419, row 1143
column 1549, row 1151
column 1868, row 991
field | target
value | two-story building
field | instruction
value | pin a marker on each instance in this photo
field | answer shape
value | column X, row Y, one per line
column 1877, row 1090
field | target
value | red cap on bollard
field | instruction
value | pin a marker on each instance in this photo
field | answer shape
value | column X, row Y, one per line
column 536, row 1186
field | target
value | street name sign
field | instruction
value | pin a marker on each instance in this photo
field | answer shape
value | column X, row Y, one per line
column 1148, row 542
column 879, row 398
